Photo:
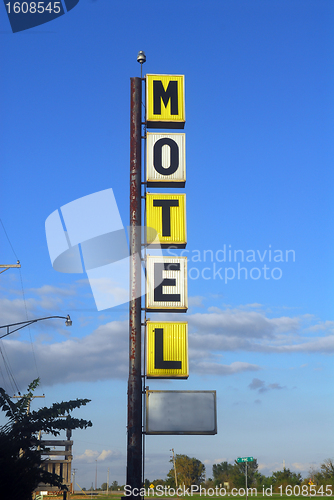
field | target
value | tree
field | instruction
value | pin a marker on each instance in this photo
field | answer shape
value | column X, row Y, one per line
column 284, row 478
column 327, row 469
column 221, row 473
column 189, row 471
column 20, row 458
column 324, row 476
column 237, row 474
column 114, row 485
column 157, row 482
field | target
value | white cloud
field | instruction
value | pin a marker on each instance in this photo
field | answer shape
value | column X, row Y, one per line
column 107, row 454
column 196, row 301
column 237, row 323
column 253, row 306
column 53, row 290
column 239, row 330
column 103, row 354
column 14, row 311
column 324, row 345
column 90, row 456
column 219, row 460
column 44, row 301
column 211, row 368
column 99, row 356
column 322, row 326
column 301, row 467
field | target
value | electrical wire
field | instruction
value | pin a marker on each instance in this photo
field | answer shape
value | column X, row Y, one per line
column 8, row 239
column 4, row 380
column 31, row 341
column 25, row 307
column 3, row 353
column 10, row 375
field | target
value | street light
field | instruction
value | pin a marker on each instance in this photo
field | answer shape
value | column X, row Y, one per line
column 141, row 58
column 68, row 322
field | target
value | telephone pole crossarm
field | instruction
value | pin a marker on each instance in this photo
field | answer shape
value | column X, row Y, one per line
column 9, row 266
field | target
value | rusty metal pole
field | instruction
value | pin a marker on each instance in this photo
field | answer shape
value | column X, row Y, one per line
column 134, row 448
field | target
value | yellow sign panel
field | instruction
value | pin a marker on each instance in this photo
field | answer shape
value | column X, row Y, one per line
column 166, row 215
column 167, row 350
column 165, row 101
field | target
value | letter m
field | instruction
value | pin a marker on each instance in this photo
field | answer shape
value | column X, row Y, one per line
column 160, row 94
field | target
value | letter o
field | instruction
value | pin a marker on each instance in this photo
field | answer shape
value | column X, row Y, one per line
column 174, row 156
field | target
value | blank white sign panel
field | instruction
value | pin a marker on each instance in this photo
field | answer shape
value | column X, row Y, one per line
column 181, row 412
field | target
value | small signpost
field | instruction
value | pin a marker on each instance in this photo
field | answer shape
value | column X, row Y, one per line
column 246, row 460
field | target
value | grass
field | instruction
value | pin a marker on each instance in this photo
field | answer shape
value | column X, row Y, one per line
column 118, row 494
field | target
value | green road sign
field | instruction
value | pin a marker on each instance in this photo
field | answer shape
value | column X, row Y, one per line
column 245, row 459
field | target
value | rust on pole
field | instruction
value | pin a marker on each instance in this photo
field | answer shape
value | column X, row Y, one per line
column 134, row 444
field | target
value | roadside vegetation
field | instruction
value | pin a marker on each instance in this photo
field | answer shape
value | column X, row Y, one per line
column 284, row 484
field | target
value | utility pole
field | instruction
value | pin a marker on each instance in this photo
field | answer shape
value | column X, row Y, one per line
column 73, row 481
column 108, row 482
column 174, row 468
column 95, row 475
column 134, row 444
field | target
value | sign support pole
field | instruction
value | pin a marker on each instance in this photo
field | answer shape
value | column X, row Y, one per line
column 134, row 428
column 246, row 483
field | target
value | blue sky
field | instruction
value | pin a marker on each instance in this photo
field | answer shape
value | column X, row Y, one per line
column 259, row 152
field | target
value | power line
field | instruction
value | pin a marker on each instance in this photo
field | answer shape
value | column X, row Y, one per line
column 23, row 296
column 31, row 342
column 11, row 378
column 9, row 240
